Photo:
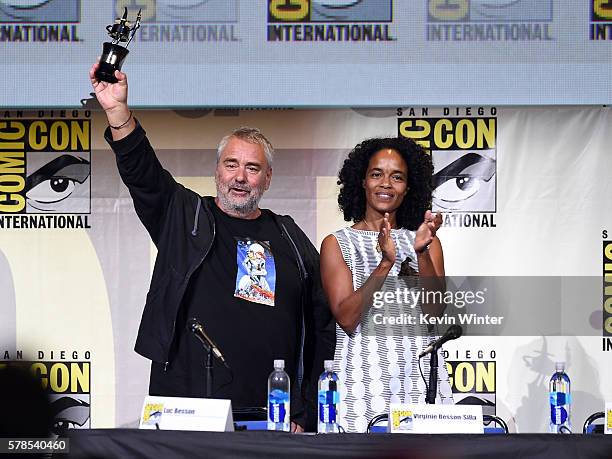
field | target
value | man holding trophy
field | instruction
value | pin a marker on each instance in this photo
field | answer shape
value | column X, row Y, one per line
column 199, row 240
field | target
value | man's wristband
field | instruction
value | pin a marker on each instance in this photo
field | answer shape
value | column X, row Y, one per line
column 123, row 124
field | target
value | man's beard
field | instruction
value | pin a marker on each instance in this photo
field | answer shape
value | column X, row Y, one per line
column 241, row 207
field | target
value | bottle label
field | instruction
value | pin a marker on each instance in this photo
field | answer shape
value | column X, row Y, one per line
column 558, row 415
column 329, row 396
column 277, row 412
column 278, row 406
column 559, row 403
column 328, row 400
column 559, row 399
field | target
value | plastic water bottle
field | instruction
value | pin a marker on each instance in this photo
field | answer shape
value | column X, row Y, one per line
column 278, row 398
column 560, row 399
column 328, row 399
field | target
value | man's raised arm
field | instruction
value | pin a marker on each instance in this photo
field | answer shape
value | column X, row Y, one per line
column 150, row 185
column 113, row 99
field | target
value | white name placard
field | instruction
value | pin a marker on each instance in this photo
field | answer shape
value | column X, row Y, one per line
column 182, row 413
column 608, row 418
column 412, row 418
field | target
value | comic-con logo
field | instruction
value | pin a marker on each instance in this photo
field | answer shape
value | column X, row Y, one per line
column 330, row 20
column 184, row 20
column 464, row 155
column 68, row 385
column 39, row 20
column 152, row 414
column 601, row 20
column 489, row 20
column 473, row 383
column 607, row 295
column 402, row 420
column 44, row 172
column 330, row 10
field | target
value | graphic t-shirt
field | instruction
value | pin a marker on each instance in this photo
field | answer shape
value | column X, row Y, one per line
column 247, row 296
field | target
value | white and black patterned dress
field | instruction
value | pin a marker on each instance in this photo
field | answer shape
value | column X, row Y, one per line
column 376, row 369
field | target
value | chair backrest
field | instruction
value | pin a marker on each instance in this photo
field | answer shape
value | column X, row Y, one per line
column 489, row 418
column 586, row 428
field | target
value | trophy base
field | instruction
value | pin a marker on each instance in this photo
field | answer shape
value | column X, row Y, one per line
column 112, row 59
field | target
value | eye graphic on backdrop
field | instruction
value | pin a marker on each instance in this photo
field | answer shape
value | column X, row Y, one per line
column 458, row 189
column 497, row 8
column 511, row 10
column 178, row 9
column 56, row 181
column 24, row 4
column 461, row 181
column 351, row 10
column 52, row 190
column 39, row 10
column 19, row 9
column 181, row 4
column 503, row 3
column 69, row 413
column 336, row 3
column 196, row 10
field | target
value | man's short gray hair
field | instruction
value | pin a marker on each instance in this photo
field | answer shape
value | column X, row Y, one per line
column 251, row 135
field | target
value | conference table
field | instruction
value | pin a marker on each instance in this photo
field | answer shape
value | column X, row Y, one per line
column 134, row 443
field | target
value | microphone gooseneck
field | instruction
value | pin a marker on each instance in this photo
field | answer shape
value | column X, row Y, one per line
column 453, row 332
column 196, row 327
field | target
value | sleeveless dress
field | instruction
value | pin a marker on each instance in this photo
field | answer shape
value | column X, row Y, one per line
column 375, row 369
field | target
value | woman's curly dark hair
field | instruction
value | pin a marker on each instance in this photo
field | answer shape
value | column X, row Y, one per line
column 352, row 198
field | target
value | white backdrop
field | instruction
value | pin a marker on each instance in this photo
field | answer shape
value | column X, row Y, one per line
column 82, row 290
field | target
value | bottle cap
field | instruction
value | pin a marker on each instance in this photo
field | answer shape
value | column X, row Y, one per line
column 560, row 366
column 279, row 364
column 328, row 365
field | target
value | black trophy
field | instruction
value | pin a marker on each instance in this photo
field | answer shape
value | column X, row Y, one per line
column 113, row 54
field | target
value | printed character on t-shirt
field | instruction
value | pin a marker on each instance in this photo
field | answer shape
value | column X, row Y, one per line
column 256, row 274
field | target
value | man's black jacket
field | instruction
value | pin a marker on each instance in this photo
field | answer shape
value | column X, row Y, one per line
column 182, row 226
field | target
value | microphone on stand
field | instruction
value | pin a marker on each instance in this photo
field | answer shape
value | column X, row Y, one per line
column 196, row 327
column 453, row 332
